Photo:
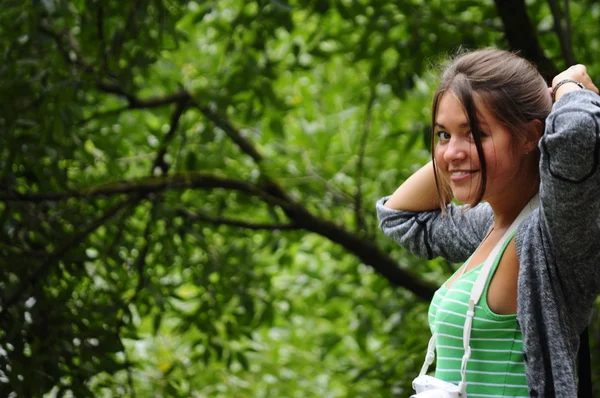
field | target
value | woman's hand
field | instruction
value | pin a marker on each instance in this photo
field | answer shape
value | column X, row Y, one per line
column 576, row 72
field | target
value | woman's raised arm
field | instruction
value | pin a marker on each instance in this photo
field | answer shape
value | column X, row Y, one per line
column 417, row 193
column 412, row 216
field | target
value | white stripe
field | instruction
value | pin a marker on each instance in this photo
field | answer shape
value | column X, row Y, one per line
column 495, row 330
column 482, row 360
column 476, row 318
column 489, row 339
column 478, row 329
column 461, row 281
column 480, row 349
column 453, row 289
column 450, row 324
column 487, row 395
column 449, row 336
column 481, row 372
column 494, row 396
column 478, row 339
column 497, row 385
column 446, row 300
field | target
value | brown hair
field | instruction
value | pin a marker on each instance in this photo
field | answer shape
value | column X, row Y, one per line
column 507, row 84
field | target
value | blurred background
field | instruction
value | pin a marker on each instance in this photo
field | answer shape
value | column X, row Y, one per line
column 187, row 188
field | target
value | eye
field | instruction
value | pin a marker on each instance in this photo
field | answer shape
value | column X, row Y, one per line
column 482, row 135
column 442, row 135
column 483, row 131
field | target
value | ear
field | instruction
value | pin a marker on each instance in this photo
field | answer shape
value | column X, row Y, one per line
column 533, row 132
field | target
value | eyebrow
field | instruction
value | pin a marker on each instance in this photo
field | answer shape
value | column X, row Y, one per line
column 462, row 126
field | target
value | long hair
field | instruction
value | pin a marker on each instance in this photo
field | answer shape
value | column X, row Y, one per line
column 510, row 86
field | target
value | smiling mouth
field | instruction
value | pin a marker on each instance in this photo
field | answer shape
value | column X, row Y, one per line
column 461, row 175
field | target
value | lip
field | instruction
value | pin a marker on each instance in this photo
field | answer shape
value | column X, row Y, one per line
column 464, row 175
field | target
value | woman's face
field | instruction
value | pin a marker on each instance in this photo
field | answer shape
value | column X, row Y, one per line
column 456, row 154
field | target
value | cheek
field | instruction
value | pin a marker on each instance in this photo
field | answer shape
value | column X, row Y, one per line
column 497, row 158
column 474, row 157
column 501, row 158
column 502, row 169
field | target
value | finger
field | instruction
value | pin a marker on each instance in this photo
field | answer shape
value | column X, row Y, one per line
column 578, row 66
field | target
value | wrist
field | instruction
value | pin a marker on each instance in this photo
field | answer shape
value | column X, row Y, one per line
column 564, row 86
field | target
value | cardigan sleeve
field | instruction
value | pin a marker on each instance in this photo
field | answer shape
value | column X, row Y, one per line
column 570, row 190
column 559, row 246
column 430, row 234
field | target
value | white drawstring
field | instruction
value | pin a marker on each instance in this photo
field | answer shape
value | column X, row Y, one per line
column 430, row 356
column 466, row 338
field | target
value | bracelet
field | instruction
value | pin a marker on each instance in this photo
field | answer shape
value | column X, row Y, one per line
column 565, row 81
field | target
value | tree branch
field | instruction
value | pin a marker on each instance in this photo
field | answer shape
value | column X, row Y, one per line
column 119, row 36
column 55, row 256
column 268, row 191
column 142, row 186
column 148, row 103
column 182, row 100
column 140, row 261
column 360, row 220
column 235, row 223
column 268, row 185
column 232, row 133
column 568, row 30
column 101, row 114
column 366, row 251
column 160, row 157
column 79, row 237
column 564, row 35
column 120, row 229
column 59, row 39
column 101, row 38
column 108, row 87
column 521, row 35
column 179, row 97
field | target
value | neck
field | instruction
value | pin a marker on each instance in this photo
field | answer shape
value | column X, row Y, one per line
column 507, row 207
column 505, row 215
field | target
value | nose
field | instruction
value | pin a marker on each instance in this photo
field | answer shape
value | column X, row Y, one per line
column 456, row 149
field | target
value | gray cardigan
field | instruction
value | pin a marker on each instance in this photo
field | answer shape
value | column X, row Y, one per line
column 558, row 245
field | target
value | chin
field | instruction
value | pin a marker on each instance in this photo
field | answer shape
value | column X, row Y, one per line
column 463, row 197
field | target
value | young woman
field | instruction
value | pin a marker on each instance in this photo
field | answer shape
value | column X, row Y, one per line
column 499, row 141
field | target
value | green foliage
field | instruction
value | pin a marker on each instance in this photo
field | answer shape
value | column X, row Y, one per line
column 187, row 191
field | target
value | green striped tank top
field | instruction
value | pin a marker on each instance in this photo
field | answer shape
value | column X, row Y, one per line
column 496, row 367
